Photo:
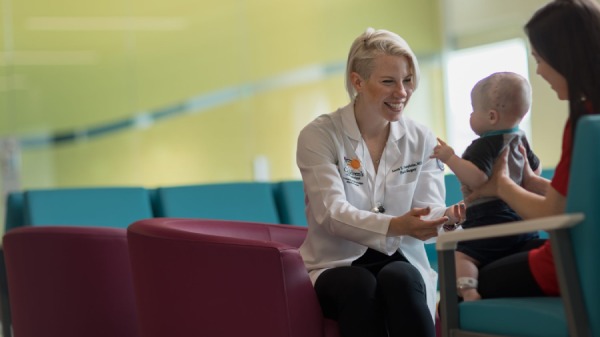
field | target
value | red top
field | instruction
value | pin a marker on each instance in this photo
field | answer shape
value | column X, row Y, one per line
column 560, row 181
column 540, row 260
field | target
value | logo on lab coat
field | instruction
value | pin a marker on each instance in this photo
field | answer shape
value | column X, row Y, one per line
column 353, row 172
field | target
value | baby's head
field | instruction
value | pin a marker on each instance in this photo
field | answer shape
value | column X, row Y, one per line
column 500, row 101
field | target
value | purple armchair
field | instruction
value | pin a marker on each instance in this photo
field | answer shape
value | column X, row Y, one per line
column 219, row 278
column 70, row 282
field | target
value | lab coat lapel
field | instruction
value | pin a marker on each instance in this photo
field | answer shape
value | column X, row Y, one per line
column 352, row 132
column 392, row 149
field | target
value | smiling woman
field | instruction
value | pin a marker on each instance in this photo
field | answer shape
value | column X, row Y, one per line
column 373, row 197
column 385, row 90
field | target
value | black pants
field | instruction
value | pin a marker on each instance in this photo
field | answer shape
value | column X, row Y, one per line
column 377, row 295
column 510, row 276
column 488, row 250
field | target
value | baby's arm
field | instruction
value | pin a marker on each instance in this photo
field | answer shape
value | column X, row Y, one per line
column 465, row 171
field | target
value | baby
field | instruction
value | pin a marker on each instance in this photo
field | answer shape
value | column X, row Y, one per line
column 500, row 101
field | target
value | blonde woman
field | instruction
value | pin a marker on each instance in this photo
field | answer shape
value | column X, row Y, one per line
column 373, row 197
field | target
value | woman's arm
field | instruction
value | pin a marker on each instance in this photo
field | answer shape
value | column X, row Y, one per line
column 530, row 205
column 527, row 204
column 532, row 181
column 536, row 184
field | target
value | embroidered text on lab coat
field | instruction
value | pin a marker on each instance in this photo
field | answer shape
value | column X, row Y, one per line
column 408, row 168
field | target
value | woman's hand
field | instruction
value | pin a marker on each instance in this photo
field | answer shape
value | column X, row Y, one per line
column 532, row 181
column 412, row 225
column 528, row 173
column 498, row 178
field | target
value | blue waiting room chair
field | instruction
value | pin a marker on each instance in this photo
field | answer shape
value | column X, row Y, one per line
column 100, row 206
column 245, row 201
column 575, row 242
column 453, row 196
column 289, row 197
column 453, row 192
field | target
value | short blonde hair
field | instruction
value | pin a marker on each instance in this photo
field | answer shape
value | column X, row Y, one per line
column 373, row 43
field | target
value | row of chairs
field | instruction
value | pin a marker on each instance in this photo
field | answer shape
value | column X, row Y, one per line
column 160, row 207
column 117, row 207
column 280, row 202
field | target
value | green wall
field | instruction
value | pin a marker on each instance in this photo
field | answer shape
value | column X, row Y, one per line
column 82, row 84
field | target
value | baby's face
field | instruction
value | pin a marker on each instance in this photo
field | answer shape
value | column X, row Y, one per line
column 480, row 117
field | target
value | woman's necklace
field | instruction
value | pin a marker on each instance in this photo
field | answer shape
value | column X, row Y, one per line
column 376, row 161
column 377, row 206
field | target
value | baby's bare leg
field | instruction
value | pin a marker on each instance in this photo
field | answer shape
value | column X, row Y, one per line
column 467, row 268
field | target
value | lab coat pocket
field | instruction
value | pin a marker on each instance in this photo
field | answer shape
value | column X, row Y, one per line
column 398, row 197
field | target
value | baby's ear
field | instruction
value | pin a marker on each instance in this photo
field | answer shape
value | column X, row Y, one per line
column 493, row 116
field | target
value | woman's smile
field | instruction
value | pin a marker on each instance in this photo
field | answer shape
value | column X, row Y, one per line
column 396, row 107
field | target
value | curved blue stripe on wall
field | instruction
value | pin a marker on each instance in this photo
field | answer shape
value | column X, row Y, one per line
column 195, row 104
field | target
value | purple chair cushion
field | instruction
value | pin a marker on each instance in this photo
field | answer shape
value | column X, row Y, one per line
column 70, row 282
column 222, row 278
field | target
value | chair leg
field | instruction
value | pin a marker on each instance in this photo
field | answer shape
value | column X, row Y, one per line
column 449, row 300
column 4, row 303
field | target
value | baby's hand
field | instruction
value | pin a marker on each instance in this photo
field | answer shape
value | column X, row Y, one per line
column 442, row 151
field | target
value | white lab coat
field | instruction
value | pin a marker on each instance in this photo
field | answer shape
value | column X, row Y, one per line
column 340, row 197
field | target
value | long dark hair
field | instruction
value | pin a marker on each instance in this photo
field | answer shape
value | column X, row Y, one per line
column 566, row 35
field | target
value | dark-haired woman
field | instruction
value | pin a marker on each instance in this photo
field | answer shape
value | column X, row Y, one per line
column 565, row 42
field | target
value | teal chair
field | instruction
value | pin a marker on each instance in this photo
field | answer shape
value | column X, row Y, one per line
column 116, row 207
column 453, row 192
column 575, row 242
column 289, row 198
column 245, row 201
column 14, row 216
column 453, row 195
column 547, row 173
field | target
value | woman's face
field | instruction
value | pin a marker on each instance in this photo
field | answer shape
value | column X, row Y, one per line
column 389, row 87
column 557, row 82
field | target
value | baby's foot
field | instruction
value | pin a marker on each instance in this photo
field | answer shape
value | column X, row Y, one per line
column 470, row 295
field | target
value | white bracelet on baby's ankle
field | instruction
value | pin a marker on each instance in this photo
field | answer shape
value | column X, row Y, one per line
column 463, row 283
